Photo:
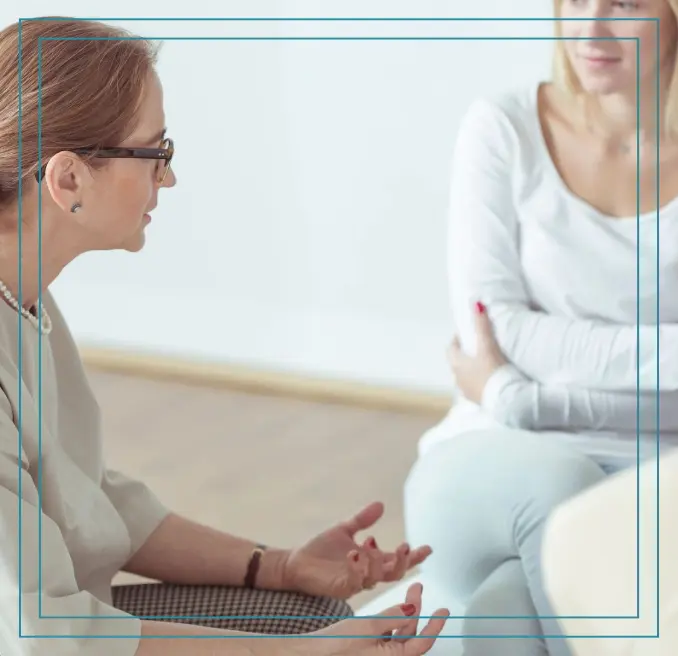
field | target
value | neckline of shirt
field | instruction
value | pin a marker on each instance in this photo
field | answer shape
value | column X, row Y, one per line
column 620, row 223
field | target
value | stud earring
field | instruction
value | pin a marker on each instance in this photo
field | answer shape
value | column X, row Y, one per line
column 76, row 207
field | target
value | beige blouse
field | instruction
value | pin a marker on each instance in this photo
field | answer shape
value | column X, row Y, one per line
column 80, row 522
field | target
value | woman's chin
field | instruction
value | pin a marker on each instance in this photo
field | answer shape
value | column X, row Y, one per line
column 135, row 243
column 603, row 85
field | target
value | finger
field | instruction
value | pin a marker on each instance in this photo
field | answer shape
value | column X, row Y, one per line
column 418, row 556
column 365, row 518
column 483, row 326
column 358, row 570
column 389, row 560
column 395, row 565
column 375, row 560
column 488, row 346
column 426, row 639
column 414, row 595
column 391, row 619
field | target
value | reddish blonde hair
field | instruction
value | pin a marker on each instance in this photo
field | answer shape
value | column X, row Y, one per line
column 90, row 92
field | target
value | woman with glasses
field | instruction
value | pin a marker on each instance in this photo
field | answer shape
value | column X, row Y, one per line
column 81, row 167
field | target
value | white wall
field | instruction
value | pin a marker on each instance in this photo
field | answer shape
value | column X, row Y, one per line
column 308, row 229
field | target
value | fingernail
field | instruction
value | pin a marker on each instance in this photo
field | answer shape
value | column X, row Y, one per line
column 409, row 609
column 356, row 557
column 480, row 308
column 372, row 543
column 406, row 550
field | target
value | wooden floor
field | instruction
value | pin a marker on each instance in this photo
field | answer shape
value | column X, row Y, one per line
column 273, row 469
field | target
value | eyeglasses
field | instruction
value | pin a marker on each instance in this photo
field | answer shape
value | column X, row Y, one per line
column 164, row 155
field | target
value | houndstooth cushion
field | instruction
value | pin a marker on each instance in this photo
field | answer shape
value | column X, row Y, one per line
column 237, row 609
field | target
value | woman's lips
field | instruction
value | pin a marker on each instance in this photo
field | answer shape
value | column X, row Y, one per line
column 600, row 62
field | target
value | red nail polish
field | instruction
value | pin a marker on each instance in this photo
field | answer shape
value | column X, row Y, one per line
column 372, row 543
column 406, row 551
column 356, row 557
column 480, row 308
column 409, row 609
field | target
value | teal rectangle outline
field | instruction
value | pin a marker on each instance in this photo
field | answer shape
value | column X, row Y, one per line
column 337, row 19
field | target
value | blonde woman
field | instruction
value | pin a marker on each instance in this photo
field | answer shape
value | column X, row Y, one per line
column 544, row 246
column 104, row 158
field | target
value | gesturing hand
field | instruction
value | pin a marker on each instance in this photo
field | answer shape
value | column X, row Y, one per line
column 336, row 565
column 392, row 632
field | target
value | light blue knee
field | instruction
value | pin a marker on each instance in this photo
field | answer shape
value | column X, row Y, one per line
column 490, row 489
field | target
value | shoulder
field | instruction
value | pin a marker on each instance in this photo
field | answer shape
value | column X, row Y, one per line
column 19, row 341
column 501, row 133
column 511, row 115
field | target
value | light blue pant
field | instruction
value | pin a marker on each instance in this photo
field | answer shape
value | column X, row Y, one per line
column 481, row 500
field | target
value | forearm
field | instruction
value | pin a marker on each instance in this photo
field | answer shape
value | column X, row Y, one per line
column 207, row 642
column 516, row 401
column 585, row 353
column 559, row 351
column 192, row 640
column 185, row 552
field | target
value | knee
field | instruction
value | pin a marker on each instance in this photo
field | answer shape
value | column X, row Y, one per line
column 430, row 488
column 471, row 465
column 547, row 485
column 553, row 481
column 503, row 473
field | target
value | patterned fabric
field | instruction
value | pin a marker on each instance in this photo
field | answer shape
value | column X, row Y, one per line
column 192, row 604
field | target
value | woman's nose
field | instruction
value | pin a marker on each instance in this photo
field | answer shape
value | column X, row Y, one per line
column 595, row 28
column 170, row 179
column 594, row 21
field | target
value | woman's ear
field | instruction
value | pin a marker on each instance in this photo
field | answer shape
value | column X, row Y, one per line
column 66, row 177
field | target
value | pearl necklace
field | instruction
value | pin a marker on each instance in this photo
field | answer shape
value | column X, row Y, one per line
column 46, row 321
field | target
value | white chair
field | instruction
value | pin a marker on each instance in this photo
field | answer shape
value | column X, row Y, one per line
column 591, row 558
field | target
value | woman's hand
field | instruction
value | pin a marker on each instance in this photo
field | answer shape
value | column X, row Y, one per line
column 393, row 632
column 334, row 564
column 473, row 372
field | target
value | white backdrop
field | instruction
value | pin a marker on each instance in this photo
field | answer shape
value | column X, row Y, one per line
column 307, row 232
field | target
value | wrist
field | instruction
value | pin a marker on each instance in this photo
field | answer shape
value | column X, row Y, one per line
column 507, row 397
column 272, row 572
column 501, row 378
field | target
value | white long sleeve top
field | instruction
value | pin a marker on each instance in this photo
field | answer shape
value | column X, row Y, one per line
column 579, row 301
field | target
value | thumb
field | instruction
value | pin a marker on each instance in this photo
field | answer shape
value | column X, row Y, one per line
column 392, row 619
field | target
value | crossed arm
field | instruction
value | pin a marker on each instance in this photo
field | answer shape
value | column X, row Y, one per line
column 563, row 373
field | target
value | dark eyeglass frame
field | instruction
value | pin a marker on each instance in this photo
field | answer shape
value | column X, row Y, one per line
column 166, row 152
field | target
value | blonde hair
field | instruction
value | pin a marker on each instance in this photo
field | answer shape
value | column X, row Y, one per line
column 566, row 79
column 93, row 80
